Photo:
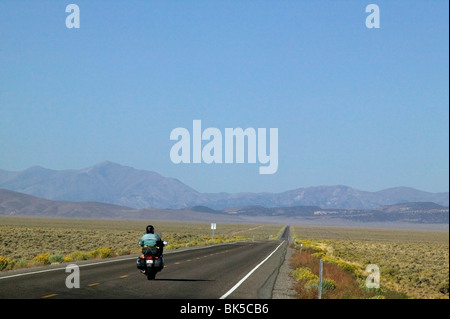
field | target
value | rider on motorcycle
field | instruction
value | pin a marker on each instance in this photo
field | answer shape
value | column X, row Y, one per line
column 150, row 239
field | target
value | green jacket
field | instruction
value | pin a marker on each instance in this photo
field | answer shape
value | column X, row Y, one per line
column 149, row 240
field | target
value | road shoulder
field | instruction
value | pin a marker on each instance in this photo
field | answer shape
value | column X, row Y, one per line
column 284, row 282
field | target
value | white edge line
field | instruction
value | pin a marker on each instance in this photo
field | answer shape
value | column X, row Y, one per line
column 61, row 268
column 105, row 262
column 251, row 272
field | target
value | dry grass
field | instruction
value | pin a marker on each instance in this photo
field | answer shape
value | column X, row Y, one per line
column 24, row 239
column 412, row 262
column 346, row 285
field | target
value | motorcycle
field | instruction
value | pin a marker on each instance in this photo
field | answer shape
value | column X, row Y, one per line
column 150, row 262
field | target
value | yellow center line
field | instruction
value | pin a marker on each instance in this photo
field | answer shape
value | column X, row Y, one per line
column 94, row 284
column 48, row 296
column 124, row 276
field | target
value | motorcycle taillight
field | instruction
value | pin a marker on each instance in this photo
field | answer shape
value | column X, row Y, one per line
column 149, row 257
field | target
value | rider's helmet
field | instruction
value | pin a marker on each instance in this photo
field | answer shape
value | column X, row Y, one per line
column 149, row 229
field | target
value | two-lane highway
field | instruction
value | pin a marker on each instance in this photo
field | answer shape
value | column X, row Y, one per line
column 237, row 270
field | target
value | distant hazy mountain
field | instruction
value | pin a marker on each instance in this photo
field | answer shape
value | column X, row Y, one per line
column 19, row 204
column 105, row 182
column 416, row 213
column 413, row 207
column 121, row 185
column 347, row 197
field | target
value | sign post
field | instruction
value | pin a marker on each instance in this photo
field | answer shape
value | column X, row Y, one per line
column 213, row 227
column 320, row 278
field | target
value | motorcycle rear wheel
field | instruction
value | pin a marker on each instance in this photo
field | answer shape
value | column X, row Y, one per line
column 151, row 274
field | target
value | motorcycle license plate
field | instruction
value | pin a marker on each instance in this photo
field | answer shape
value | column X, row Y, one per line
column 150, row 261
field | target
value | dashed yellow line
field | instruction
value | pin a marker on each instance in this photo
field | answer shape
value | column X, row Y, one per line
column 48, row 296
column 124, row 276
column 94, row 284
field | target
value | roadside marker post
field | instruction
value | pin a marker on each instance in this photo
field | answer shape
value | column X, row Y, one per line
column 320, row 278
column 213, row 227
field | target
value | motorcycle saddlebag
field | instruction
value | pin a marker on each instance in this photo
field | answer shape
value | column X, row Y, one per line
column 159, row 262
column 140, row 263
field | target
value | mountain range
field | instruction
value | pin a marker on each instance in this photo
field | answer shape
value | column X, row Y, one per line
column 112, row 183
column 414, row 215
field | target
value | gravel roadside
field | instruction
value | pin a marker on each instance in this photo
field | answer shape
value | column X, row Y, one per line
column 283, row 285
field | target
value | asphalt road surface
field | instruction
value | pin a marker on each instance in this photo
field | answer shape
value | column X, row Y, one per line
column 243, row 270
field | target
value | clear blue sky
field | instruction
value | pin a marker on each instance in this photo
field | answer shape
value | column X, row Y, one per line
column 367, row 108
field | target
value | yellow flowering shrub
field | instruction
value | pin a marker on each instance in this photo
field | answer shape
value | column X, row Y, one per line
column 41, row 259
column 3, row 263
column 76, row 255
column 101, row 253
column 304, row 274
